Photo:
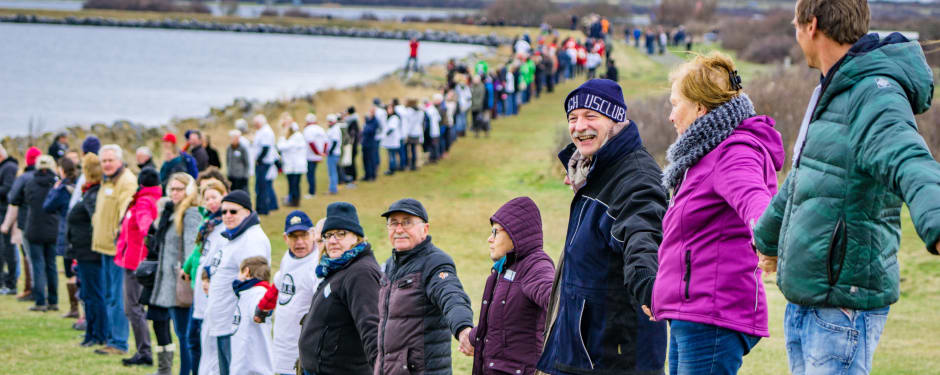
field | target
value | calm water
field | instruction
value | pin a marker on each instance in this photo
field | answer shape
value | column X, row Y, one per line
column 65, row 75
column 254, row 10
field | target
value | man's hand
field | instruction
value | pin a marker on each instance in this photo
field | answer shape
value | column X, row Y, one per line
column 766, row 263
column 938, row 246
column 646, row 310
column 465, row 347
column 5, row 228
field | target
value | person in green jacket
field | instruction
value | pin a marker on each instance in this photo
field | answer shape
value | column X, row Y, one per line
column 834, row 228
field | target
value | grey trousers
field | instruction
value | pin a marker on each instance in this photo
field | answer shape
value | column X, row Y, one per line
column 136, row 315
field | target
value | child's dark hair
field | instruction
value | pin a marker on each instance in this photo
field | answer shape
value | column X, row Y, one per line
column 257, row 268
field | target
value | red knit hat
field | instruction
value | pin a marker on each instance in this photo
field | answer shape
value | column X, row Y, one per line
column 169, row 137
column 32, row 154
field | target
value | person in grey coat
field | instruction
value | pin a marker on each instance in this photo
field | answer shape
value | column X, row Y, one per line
column 238, row 162
column 175, row 239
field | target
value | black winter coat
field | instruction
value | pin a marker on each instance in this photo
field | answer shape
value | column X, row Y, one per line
column 79, row 227
column 339, row 331
column 421, row 306
column 41, row 226
column 8, row 168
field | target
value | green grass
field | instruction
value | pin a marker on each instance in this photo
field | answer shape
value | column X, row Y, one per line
column 461, row 193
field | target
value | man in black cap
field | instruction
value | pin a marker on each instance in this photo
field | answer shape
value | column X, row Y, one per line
column 419, row 277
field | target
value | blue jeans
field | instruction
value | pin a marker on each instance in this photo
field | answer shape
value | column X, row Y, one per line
column 195, row 345
column 312, row 177
column 696, row 348
column 113, row 279
column 225, row 354
column 91, row 292
column 392, row 159
column 403, row 156
column 832, row 341
column 261, row 189
column 293, row 188
column 45, row 279
column 181, row 318
column 460, row 122
column 331, row 162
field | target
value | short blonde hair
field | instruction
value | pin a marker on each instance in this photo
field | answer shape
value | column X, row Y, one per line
column 706, row 80
column 91, row 168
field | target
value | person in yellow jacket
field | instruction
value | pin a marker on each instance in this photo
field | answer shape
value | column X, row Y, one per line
column 117, row 190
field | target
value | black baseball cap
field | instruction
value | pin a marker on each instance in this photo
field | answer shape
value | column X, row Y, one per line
column 409, row 206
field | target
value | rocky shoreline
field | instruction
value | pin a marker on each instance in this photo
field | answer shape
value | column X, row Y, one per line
column 492, row 40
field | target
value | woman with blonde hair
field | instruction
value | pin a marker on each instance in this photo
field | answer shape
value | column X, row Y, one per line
column 91, row 287
column 293, row 149
column 174, row 240
column 722, row 173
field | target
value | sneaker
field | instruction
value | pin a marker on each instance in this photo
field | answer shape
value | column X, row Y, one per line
column 308, row 196
column 80, row 325
column 110, row 350
column 137, row 360
column 4, row 291
column 39, row 308
column 88, row 344
column 10, row 292
column 53, row 308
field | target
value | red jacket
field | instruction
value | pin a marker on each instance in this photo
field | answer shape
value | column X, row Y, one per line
column 137, row 219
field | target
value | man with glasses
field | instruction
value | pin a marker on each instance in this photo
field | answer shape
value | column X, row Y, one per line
column 421, row 301
column 246, row 239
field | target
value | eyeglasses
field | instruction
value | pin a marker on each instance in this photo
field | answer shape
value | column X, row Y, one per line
column 494, row 231
column 340, row 234
column 229, row 212
column 175, row 189
column 406, row 224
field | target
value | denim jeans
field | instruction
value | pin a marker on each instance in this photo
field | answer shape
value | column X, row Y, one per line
column 460, row 122
column 312, row 177
column 696, row 348
column 331, row 162
column 113, row 279
column 225, row 354
column 45, row 278
column 261, row 189
column 411, row 149
column 181, row 317
column 293, row 188
column 403, row 156
column 195, row 342
column 832, row 341
column 91, row 292
column 392, row 160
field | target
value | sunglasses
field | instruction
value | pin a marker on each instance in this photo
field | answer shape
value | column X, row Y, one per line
column 229, row 212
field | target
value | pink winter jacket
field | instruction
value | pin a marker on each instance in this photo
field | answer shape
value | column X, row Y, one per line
column 137, row 219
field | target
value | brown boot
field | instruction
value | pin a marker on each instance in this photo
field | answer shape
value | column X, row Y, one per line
column 73, row 301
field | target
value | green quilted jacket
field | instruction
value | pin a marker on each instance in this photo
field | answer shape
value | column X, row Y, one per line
column 835, row 224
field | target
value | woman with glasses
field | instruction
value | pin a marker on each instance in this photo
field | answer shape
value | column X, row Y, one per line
column 338, row 334
column 175, row 240
column 509, row 335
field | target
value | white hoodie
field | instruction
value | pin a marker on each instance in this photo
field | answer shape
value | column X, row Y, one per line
column 392, row 132
column 222, row 301
column 293, row 153
column 251, row 342
column 296, row 282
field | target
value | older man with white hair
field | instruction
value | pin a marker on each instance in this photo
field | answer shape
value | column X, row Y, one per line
column 116, row 192
column 144, row 158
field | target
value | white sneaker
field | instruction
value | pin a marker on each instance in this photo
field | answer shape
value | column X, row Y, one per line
column 308, row 196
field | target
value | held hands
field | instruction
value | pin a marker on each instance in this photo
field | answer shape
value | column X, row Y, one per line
column 766, row 263
column 465, row 347
column 646, row 310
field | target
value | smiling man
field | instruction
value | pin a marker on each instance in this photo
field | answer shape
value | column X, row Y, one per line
column 606, row 272
column 421, row 301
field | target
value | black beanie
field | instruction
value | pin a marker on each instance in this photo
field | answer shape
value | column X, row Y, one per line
column 342, row 215
column 600, row 95
column 148, row 177
column 239, row 197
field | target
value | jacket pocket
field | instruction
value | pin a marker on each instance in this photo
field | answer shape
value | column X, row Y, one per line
column 581, row 322
column 837, row 244
column 687, row 277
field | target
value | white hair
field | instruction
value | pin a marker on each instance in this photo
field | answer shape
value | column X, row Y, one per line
column 144, row 150
column 118, row 152
column 241, row 124
column 260, row 119
column 235, row 133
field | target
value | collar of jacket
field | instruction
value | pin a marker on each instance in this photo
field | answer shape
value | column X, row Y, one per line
column 10, row 159
column 243, row 285
column 623, row 143
column 29, row 168
column 231, row 234
column 402, row 257
column 115, row 175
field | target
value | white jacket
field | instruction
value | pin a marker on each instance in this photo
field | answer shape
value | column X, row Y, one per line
column 296, row 281
column 464, row 97
column 392, row 132
column 251, row 342
column 252, row 242
column 264, row 137
column 335, row 136
column 293, row 154
column 314, row 134
column 416, row 124
column 435, row 118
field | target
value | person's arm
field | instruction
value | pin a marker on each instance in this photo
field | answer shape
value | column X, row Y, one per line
column 56, row 200
column 7, row 175
column 890, row 149
column 537, row 283
column 362, row 299
column 767, row 230
column 262, row 154
column 742, row 169
column 446, row 293
column 637, row 231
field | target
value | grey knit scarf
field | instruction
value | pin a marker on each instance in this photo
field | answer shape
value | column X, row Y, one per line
column 706, row 133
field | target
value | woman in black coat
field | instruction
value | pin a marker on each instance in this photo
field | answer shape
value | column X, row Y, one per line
column 41, row 234
column 78, row 234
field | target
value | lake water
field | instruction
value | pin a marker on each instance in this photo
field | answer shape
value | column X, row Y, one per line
column 64, row 75
column 254, row 10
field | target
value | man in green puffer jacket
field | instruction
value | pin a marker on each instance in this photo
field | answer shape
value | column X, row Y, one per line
column 835, row 224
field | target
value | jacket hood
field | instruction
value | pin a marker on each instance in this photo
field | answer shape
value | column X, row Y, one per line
column 522, row 221
column 152, row 191
column 762, row 128
column 44, row 177
column 9, row 159
column 894, row 57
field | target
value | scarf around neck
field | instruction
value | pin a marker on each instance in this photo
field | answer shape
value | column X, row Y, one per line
column 329, row 265
column 706, row 133
column 579, row 165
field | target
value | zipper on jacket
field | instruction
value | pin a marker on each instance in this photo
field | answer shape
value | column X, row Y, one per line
column 836, row 242
column 756, row 287
column 688, row 271
column 581, row 334
column 388, row 294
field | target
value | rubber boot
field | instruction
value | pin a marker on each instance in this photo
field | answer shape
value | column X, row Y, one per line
column 73, row 301
column 165, row 361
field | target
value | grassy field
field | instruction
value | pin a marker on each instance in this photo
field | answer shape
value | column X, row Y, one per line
column 461, row 193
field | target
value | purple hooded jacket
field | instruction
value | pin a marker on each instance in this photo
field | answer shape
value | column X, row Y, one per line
column 708, row 269
column 510, row 333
